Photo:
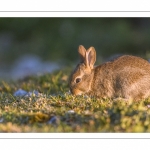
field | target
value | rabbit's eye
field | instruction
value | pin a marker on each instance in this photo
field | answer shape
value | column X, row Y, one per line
column 78, row 80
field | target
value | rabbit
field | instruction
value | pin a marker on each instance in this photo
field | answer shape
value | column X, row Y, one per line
column 126, row 77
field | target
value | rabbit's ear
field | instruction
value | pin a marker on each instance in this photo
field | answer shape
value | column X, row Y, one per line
column 91, row 57
column 82, row 52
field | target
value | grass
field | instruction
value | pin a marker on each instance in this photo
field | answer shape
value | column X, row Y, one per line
column 54, row 109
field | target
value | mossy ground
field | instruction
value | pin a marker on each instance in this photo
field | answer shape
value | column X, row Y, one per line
column 56, row 110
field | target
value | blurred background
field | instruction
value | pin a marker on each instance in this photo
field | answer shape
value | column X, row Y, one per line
column 38, row 45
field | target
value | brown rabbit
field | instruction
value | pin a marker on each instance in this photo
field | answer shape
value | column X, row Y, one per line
column 127, row 77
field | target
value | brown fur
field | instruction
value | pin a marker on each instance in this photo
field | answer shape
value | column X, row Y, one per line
column 127, row 77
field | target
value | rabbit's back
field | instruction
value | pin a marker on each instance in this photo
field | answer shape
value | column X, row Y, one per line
column 126, row 76
column 128, row 62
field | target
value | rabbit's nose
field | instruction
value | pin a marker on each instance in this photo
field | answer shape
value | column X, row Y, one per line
column 76, row 92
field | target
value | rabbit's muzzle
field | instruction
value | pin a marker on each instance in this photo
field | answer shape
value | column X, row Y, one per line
column 75, row 91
